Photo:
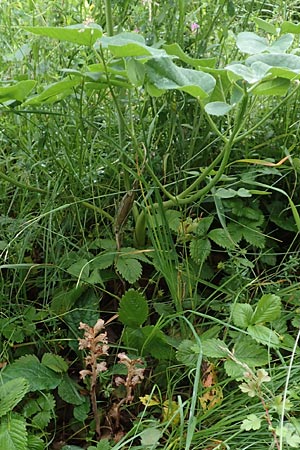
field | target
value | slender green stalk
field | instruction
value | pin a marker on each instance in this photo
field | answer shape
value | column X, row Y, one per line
column 109, row 18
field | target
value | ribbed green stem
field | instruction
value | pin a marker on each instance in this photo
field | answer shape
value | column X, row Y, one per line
column 109, row 19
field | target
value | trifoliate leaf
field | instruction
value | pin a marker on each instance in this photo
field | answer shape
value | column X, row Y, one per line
column 215, row 348
column 55, row 362
column 264, row 335
column 13, row 434
column 187, row 353
column 11, row 393
column 222, row 238
column 129, row 268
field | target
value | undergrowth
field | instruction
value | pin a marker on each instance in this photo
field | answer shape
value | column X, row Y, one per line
column 149, row 282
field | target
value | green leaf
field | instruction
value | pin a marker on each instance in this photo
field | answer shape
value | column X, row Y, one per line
column 63, row 300
column 215, row 348
column 80, row 269
column 283, row 60
column 268, row 309
column 200, row 250
column 249, row 42
column 264, row 25
column 35, row 443
column 249, row 352
column 135, row 72
column 264, row 335
column 55, row 362
column 38, row 376
column 13, row 434
column 222, row 238
column 254, row 237
column 242, row 314
column 81, row 412
column 252, row 74
column 217, row 108
column 150, row 437
column 252, row 422
column 129, row 268
column 290, row 27
column 187, row 353
column 18, row 91
column 54, row 92
column 282, row 44
column 133, row 310
column 165, row 75
column 279, row 86
column 11, row 393
column 203, row 225
column 126, row 44
column 104, row 260
column 69, row 391
column 226, row 193
column 176, row 50
column 80, row 34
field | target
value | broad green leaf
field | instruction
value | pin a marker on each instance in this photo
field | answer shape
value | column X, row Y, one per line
column 282, row 44
column 80, row 34
column 129, row 268
column 215, row 348
column 203, row 225
column 165, row 75
column 226, row 193
column 35, row 443
column 80, row 269
column 11, row 393
column 200, row 250
column 81, row 412
column 38, row 376
column 129, row 44
column 242, row 192
column 69, row 391
column 268, row 309
column 18, row 91
column 286, row 61
column 150, row 437
column 133, row 310
column 186, row 353
column 254, row 237
column 249, row 42
column 249, row 352
column 54, row 92
column 222, row 238
column 154, row 343
column 217, row 108
column 135, row 72
column 264, row 335
column 252, row 422
column 55, row 362
column 290, row 27
column 279, row 86
column 104, row 260
column 264, row 25
column 176, row 50
column 63, row 300
column 251, row 74
column 173, row 218
column 242, row 314
column 13, row 434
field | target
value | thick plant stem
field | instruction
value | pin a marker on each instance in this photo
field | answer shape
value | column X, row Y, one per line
column 108, row 16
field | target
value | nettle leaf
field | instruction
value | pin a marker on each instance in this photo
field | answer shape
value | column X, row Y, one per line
column 215, row 348
column 165, row 75
column 188, row 353
column 18, row 91
column 254, row 237
column 217, row 108
column 200, row 250
column 133, row 310
column 203, row 225
column 222, row 238
column 38, row 376
column 55, row 362
column 268, row 309
column 249, row 42
column 80, row 34
column 129, row 268
column 13, row 434
column 264, row 335
column 242, row 314
column 11, row 393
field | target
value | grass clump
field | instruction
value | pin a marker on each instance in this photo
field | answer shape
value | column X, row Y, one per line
column 149, row 176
